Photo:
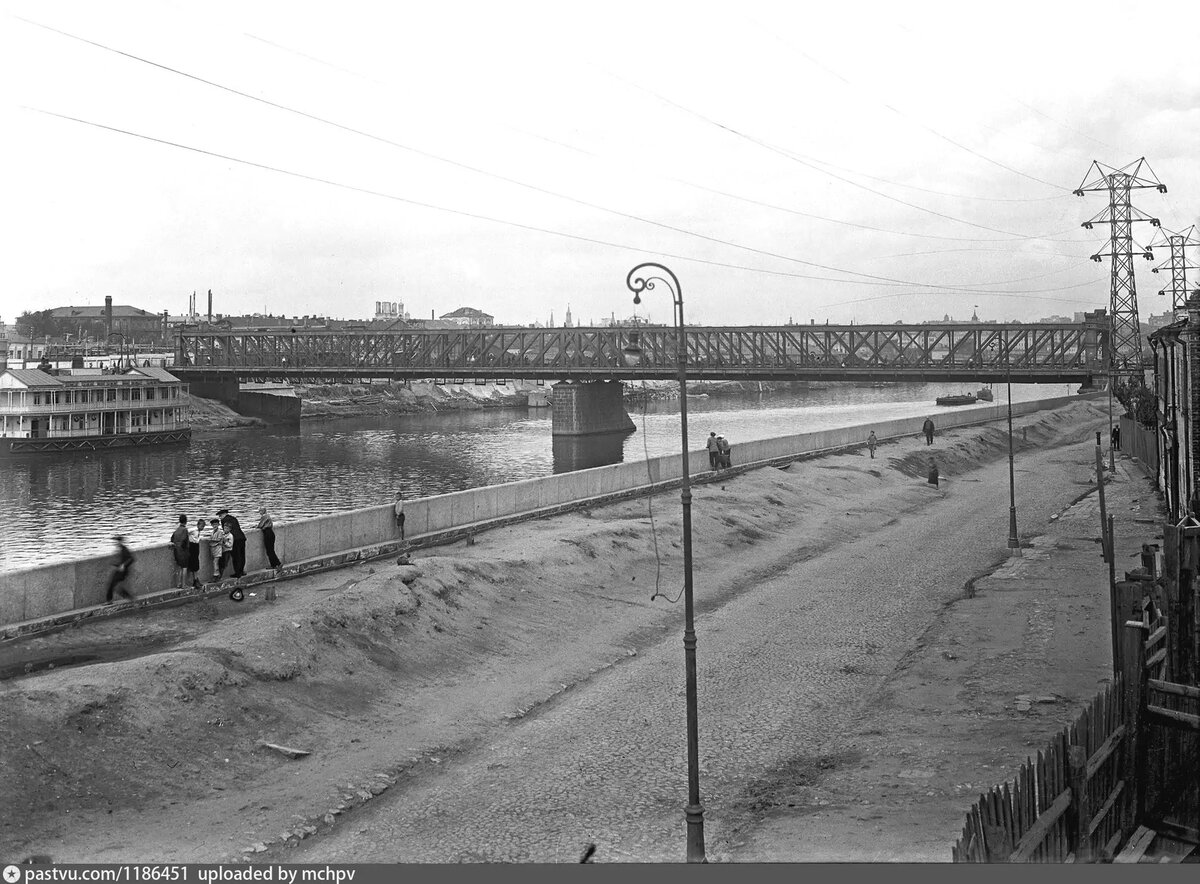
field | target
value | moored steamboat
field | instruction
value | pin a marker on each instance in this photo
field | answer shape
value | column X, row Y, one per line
column 46, row 410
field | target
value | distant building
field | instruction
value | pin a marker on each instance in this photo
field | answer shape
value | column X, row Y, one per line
column 389, row 311
column 137, row 325
column 469, row 317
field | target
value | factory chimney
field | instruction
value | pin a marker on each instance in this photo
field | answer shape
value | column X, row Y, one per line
column 108, row 314
column 210, row 306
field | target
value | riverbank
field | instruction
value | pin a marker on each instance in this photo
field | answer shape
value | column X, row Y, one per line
column 415, row 680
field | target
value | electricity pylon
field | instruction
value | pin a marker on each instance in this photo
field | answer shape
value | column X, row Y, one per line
column 1126, row 344
column 1178, row 262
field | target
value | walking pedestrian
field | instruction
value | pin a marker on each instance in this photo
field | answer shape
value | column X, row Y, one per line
column 871, row 443
column 179, row 549
column 933, row 473
column 398, row 510
column 267, row 527
column 193, row 562
column 121, row 567
column 216, row 549
column 1114, row 438
column 233, row 527
column 714, row 459
column 927, row 429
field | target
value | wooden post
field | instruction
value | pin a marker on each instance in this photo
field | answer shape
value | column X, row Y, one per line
column 1104, row 538
column 1079, row 815
column 1142, row 742
column 1170, row 585
column 1128, row 598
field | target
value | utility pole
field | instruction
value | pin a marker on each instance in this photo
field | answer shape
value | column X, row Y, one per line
column 1178, row 263
column 1126, row 341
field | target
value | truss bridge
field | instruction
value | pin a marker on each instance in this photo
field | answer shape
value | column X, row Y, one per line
column 1033, row 353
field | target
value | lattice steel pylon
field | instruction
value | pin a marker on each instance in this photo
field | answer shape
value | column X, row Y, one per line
column 1120, row 214
column 1178, row 262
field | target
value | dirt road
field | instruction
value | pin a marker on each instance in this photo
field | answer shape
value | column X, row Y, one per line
column 521, row 696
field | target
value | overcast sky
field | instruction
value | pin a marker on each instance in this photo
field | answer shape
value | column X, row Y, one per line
column 859, row 161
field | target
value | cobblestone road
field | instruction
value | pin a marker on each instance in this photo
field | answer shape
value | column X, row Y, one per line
column 784, row 668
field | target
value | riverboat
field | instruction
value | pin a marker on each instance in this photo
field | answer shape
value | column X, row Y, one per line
column 957, row 399
column 44, row 410
column 984, row 394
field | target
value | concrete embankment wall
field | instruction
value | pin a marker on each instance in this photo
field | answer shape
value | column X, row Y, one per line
column 56, row 589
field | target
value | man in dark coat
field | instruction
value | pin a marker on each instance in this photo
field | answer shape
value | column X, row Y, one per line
column 933, row 473
column 231, row 525
column 121, row 565
column 179, row 548
column 927, row 429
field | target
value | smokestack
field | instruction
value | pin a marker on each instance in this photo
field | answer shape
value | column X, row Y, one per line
column 3, row 347
column 108, row 314
column 210, row 305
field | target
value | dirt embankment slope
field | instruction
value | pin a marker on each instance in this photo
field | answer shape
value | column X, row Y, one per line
column 151, row 749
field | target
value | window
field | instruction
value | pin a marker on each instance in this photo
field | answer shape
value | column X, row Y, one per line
column 112, row 395
column 136, row 394
column 37, row 398
column 149, row 392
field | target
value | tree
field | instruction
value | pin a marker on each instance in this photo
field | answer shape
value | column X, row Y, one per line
column 1139, row 402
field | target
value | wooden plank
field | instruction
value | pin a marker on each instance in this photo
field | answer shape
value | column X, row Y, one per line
column 1078, row 814
column 1106, row 807
column 1103, row 753
column 1110, row 847
column 1171, row 718
column 1179, row 690
column 1158, row 657
column 1137, row 846
column 1031, row 839
column 1179, row 832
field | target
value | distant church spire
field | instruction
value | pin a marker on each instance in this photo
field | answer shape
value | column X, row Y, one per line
column 568, row 323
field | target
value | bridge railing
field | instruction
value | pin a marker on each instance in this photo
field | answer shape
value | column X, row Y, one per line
column 1076, row 348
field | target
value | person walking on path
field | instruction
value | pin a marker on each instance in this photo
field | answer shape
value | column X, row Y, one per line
column 193, row 561
column 216, row 549
column 267, row 527
column 933, row 473
column 179, row 549
column 714, row 458
column 927, row 429
column 1114, row 437
column 233, row 528
column 872, row 442
column 398, row 511
column 121, row 567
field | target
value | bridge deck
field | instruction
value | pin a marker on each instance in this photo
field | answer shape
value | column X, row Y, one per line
column 1046, row 353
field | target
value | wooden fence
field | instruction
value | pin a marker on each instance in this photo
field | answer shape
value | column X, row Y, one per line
column 1132, row 759
column 1069, row 804
column 1141, row 442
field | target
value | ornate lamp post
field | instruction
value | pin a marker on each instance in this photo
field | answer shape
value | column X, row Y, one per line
column 640, row 279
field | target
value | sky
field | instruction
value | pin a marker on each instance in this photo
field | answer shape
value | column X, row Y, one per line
column 788, row 161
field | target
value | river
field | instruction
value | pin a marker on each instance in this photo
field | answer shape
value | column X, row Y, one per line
column 59, row 507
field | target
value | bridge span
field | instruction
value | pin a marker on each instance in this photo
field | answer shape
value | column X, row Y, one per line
column 214, row 359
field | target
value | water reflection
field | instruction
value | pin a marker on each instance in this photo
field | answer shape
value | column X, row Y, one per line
column 67, row 506
column 584, row 452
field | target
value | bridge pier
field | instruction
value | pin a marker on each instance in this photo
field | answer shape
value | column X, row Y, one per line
column 585, row 409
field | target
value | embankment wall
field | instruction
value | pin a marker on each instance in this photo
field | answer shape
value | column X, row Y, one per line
column 55, row 589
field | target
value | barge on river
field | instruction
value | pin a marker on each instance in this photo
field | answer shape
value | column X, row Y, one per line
column 89, row 409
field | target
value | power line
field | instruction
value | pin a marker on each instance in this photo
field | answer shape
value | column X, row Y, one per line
column 798, row 159
column 473, row 169
column 899, row 113
column 692, row 184
column 516, row 224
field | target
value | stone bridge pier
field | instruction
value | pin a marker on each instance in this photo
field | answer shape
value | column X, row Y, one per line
column 585, row 409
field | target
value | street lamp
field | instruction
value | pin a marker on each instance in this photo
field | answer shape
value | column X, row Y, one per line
column 640, row 279
column 1013, row 543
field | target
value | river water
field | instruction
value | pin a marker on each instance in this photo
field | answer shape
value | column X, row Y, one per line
column 68, row 506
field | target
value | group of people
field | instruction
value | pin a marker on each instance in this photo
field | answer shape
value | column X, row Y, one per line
column 226, row 543
column 719, row 452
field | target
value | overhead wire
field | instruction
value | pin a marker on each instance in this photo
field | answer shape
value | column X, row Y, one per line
column 783, row 152
column 775, row 33
column 473, row 169
column 519, row 225
column 692, row 184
